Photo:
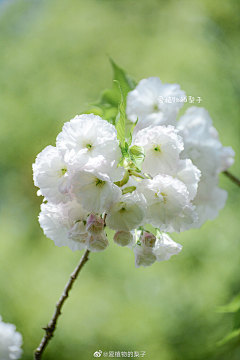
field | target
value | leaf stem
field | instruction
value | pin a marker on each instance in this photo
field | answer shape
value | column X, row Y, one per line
column 49, row 330
column 140, row 175
column 232, row 177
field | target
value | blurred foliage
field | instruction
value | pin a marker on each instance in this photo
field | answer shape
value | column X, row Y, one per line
column 232, row 307
column 54, row 64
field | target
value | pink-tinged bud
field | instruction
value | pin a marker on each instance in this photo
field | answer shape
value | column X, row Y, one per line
column 95, row 224
column 143, row 256
column 123, row 238
column 97, row 242
column 148, row 239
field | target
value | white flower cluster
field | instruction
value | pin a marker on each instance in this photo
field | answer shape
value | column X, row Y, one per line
column 91, row 179
column 200, row 138
column 10, row 342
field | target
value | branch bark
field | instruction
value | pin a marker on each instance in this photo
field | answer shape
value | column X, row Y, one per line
column 232, row 177
column 49, row 330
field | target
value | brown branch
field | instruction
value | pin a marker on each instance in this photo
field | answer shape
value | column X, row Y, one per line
column 232, row 177
column 49, row 330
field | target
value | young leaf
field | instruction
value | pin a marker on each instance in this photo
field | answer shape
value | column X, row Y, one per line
column 127, row 82
column 137, row 155
column 129, row 140
column 121, row 120
column 109, row 99
column 124, row 151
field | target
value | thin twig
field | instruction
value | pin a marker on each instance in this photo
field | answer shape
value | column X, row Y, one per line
column 49, row 330
column 232, row 177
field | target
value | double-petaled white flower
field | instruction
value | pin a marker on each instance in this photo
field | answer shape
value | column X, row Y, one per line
column 209, row 201
column 190, row 175
column 65, row 224
column 165, row 247
column 168, row 206
column 162, row 148
column 203, row 147
column 128, row 213
column 198, row 132
column 154, row 103
column 51, row 175
column 94, row 190
column 10, row 341
column 87, row 137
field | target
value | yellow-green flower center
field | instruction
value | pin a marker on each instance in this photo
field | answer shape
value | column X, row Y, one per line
column 63, row 171
column 87, row 144
column 100, row 183
column 157, row 148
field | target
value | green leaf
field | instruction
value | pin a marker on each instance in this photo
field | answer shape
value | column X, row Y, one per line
column 158, row 233
column 109, row 99
column 233, row 306
column 232, row 335
column 137, row 155
column 129, row 140
column 236, row 320
column 124, row 151
column 128, row 189
column 126, row 81
column 94, row 110
column 121, row 119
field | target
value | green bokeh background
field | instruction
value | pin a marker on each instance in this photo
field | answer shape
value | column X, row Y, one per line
column 53, row 63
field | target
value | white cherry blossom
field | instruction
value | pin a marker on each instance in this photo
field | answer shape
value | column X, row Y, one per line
column 209, row 201
column 65, row 224
column 165, row 247
column 162, row 148
column 148, row 102
column 85, row 138
column 198, row 132
column 94, row 190
column 51, row 175
column 167, row 203
column 190, row 175
column 10, row 341
column 128, row 213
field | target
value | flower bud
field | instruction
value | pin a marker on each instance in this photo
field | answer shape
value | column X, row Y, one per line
column 144, row 256
column 75, row 235
column 148, row 239
column 123, row 238
column 97, row 242
column 95, row 224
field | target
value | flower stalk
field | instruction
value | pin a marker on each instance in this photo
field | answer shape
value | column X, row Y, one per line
column 50, row 328
column 232, row 177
